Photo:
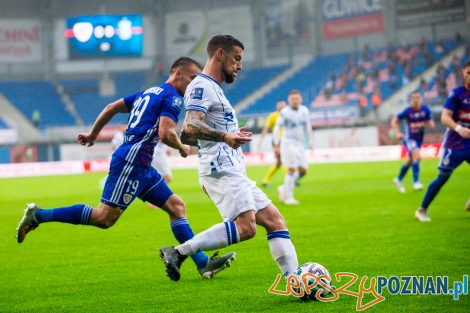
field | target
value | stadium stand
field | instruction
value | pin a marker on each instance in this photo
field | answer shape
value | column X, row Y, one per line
column 444, row 80
column 41, row 95
column 308, row 80
column 249, row 80
column 86, row 97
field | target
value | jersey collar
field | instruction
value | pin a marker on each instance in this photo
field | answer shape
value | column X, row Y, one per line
column 208, row 77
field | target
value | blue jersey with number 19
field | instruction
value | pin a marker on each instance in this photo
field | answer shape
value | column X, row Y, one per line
column 145, row 109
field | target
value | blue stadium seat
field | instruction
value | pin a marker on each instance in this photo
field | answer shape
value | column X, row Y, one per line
column 41, row 95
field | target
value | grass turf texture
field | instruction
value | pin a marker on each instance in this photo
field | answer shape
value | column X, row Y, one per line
column 351, row 219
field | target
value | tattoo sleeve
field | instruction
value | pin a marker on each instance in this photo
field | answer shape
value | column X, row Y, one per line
column 188, row 140
column 195, row 127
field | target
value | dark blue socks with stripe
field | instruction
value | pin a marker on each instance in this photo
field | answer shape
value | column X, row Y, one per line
column 75, row 214
column 183, row 232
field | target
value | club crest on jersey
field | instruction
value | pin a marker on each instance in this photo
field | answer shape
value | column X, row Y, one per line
column 127, row 198
column 196, row 93
column 177, row 103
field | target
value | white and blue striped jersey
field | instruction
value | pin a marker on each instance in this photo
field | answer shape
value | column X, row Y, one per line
column 295, row 124
column 145, row 109
column 205, row 94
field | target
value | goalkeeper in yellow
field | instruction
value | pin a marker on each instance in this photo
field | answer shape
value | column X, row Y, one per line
column 268, row 127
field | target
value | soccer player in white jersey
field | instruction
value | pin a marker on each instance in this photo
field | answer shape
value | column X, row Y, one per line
column 212, row 123
column 161, row 161
column 295, row 122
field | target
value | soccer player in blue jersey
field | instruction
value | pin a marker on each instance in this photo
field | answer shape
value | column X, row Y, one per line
column 211, row 122
column 456, row 116
column 417, row 116
column 153, row 117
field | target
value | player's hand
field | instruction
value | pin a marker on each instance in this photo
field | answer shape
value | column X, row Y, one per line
column 86, row 139
column 400, row 136
column 464, row 132
column 185, row 150
column 243, row 131
column 236, row 140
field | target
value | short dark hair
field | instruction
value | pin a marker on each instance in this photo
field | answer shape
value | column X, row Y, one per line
column 466, row 64
column 226, row 42
column 184, row 63
column 295, row 91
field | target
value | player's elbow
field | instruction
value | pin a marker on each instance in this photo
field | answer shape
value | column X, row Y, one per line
column 164, row 135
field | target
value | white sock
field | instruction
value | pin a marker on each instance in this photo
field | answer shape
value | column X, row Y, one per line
column 216, row 237
column 289, row 184
column 296, row 177
column 283, row 251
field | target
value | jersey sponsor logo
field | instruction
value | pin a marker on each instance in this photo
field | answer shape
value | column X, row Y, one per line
column 417, row 125
column 154, row 90
column 196, row 93
column 177, row 103
column 464, row 115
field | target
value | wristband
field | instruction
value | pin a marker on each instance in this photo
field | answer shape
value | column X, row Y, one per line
column 458, row 128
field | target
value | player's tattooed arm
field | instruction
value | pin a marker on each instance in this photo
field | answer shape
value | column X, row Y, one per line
column 188, row 140
column 195, row 128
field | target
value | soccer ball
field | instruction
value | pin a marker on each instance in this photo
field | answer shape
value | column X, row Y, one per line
column 317, row 270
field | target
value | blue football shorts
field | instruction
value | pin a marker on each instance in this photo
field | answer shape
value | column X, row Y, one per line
column 127, row 181
column 412, row 144
column 451, row 159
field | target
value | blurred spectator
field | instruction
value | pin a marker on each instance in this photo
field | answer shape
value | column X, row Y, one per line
column 458, row 38
column 423, row 85
column 439, row 49
column 36, row 118
column 363, row 104
column 407, row 73
column 330, row 86
column 376, row 100
column 365, row 54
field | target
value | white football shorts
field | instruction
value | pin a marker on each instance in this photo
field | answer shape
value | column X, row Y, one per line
column 293, row 155
column 233, row 193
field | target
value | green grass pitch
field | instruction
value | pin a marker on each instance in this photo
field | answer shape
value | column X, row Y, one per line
column 351, row 219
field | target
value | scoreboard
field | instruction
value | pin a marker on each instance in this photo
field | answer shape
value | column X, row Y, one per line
column 104, row 36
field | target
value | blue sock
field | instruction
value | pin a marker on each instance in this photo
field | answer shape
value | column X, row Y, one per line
column 434, row 188
column 415, row 168
column 183, row 232
column 404, row 168
column 75, row 214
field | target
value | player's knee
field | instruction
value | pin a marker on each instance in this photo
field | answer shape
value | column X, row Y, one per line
column 179, row 210
column 276, row 222
column 177, row 207
column 279, row 222
column 105, row 222
column 249, row 231
column 246, row 230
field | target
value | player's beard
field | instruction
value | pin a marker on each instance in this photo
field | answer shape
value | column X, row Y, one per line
column 228, row 78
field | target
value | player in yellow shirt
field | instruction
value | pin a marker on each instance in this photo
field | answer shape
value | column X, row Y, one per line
column 268, row 127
